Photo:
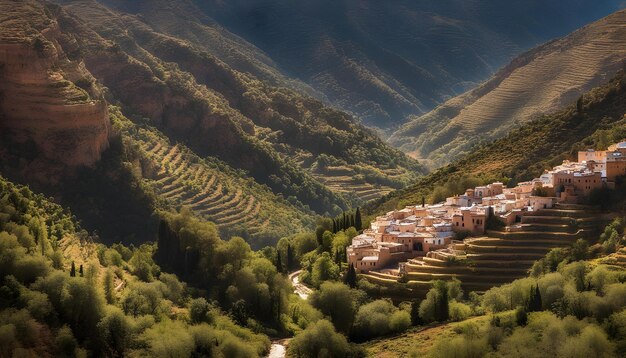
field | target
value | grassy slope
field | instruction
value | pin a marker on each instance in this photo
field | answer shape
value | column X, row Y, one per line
column 527, row 151
column 419, row 339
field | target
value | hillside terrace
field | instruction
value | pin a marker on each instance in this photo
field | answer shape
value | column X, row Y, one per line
column 419, row 231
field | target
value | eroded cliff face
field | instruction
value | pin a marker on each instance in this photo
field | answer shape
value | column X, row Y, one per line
column 49, row 100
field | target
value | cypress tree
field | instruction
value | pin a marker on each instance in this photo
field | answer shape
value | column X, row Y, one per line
column 441, row 303
column 444, row 305
column 531, row 299
column 538, row 304
column 337, row 258
column 358, row 221
column 109, row 289
column 279, row 264
column 534, row 300
column 289, row 263
column 416, row 320
column 73, row 270
column 352, row 220
column 344, row 222
column 350, row 278
column 80, row 270
column 335, row 226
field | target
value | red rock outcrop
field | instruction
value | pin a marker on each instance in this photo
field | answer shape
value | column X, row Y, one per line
column 41, row 101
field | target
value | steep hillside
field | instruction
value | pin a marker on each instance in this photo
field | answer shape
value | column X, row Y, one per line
column 386, row 60
column 537, row 82
column 210, row 188
column 526, row 152
column 315, row 157
column 47, row 101
column 283, row 139
column 65, row 294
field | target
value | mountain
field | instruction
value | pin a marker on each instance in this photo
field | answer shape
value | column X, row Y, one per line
column 536, row 83
column 258, row 158
column 596, row 121
column 47, row 101
column 385, row 61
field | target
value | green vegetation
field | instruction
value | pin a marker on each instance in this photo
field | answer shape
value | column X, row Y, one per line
column 272, row 133
column 527, row 151
column 209, row 187
column 121, row 304
column 573, row 295
column 321, row 340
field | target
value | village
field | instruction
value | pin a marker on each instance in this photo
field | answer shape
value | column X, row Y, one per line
column 424, row 230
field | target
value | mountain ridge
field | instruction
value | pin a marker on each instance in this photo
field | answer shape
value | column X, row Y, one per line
column 386, row 61
column 539, row 81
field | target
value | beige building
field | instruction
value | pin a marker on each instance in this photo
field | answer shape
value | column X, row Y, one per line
column 471, row 219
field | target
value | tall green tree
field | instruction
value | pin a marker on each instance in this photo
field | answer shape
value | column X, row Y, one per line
column 415, row 312
column 358, row 222
column 290, row 258
column 350, row 277
column 73, row 269
column 534, row 303
column 279, row 263
column 441, row 303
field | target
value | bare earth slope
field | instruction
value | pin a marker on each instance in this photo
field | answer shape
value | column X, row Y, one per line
column 538, row 82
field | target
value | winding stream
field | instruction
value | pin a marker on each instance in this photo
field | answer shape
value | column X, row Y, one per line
column 278, row 350
column 279, row 346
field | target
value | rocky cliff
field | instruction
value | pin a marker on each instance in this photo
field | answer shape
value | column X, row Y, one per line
column 47, row 99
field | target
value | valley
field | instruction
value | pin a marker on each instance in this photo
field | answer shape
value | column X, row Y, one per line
column 239, row 179
column 386, row 62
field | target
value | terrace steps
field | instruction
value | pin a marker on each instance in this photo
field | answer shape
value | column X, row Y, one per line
column 185, row 181
column 503, row 256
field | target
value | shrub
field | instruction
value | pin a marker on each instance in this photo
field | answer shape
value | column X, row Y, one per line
column 459, row 311
column 199, row 310
column 114, row 332
column 460, row 347
column 319, row 340
column 379, row 318
column 65, row 342
column 169, row 339
column 399, row 321
column 337, row 301
column 592, row 342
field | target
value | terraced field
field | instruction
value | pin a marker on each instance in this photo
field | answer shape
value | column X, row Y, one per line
column 344, row 183
column 538, row 82
column 214, row 191
column 503, row 256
